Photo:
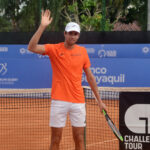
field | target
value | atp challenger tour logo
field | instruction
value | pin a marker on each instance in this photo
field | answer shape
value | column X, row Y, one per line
column 137, row 120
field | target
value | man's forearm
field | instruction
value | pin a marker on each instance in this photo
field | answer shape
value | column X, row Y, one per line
column 35, row 39
column 93, row 85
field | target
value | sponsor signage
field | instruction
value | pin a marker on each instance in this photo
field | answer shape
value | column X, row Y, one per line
column 134, row 118
column 37, row 73
column 120, row 72
column 112, row 65
column 25, row 73
column 118, row 50
column 18, row 52
column 94, row 51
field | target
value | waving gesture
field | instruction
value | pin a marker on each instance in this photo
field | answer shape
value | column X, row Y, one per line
column 46, row 18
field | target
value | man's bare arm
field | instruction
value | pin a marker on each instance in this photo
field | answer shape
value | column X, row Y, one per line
column 92, row 82
column 33, row 44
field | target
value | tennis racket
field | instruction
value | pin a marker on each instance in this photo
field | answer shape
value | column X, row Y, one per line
column 112, row 126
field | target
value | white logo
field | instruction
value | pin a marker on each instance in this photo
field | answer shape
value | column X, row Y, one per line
column 3, row 68
column 42, row 56
column 102, row 76
column 145, row 50
column 24, row 51
column 106, row 53
column 99, row 70
column 3, row 49
column 90, row 50
column 137, row 118
column 101, row 53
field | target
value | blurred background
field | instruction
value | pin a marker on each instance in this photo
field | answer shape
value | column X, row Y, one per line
column 92, row 15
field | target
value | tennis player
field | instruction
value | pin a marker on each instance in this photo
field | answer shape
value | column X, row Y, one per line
column 68, row 60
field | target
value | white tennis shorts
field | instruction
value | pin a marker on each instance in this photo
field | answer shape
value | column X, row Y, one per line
column 60, row 110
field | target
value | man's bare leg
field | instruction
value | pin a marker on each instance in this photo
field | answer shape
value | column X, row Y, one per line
column 55, row 138
column 78, row 135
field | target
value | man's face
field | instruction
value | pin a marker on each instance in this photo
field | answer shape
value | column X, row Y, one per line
column 71, row 37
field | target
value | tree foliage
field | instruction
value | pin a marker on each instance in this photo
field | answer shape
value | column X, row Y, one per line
column 135, row 10
column 21, row 14
column 24, row 15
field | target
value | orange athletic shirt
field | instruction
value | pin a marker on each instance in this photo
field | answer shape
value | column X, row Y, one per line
column 67, row 66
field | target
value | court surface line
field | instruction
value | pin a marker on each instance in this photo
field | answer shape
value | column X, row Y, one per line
column 98, row 143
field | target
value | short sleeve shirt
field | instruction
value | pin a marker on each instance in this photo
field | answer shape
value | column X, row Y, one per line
column 67, row 66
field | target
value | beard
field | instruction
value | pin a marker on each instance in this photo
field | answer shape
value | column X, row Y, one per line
column 71, row 42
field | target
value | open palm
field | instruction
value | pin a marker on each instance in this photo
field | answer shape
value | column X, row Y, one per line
column 46, row 18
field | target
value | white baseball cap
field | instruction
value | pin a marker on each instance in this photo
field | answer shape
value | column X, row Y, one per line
column 72, row 26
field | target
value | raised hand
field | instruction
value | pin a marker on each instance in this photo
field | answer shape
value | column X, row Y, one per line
column 46, row 18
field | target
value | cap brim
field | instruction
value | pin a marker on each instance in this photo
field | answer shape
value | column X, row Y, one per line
column 73, row 30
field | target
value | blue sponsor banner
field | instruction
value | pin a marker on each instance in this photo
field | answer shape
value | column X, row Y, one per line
column 18, row 51
column 118, row 50
column 94, row 51
column 25, row 73
column 120, row 72
column 127, row 67
column 17, row 73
